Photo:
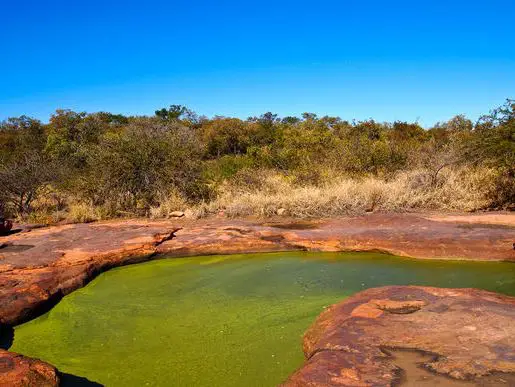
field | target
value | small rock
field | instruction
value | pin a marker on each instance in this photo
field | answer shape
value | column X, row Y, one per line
column 17, row 371
column 281, row 211
column 176, row 214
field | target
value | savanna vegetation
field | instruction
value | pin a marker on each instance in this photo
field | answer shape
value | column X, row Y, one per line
column 87, row 166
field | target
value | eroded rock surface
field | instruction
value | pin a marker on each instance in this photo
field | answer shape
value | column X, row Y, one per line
column 20, row 371
column 58, row 260
column 40, row 266
column 470, row 334
column 400, row 234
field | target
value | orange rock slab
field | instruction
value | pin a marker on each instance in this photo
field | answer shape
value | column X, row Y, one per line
column 20, row 371
column 469, row 333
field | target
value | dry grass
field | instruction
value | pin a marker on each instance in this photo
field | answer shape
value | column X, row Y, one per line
column 51, row 207
column 460, row 189
column 83, row 213
column 168, row 204
column 263, row 193
column 47, row 208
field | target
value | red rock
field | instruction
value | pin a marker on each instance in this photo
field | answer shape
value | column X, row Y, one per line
column 61, row 259
column 404, row 235
column 469, row 333
column 20, row 371
column 39, row 266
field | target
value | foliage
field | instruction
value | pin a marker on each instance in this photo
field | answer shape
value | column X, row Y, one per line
column 97, row 165
column 133, row 167
column 21, row 179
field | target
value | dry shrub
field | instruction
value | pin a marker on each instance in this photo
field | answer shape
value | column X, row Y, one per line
column 47, row 207
column 457, row 189
column 52, row 206
column 501, row 192
column 167, row 204
column 250, row 180
column 42, row 218
column 83, row 213
column 264, row 192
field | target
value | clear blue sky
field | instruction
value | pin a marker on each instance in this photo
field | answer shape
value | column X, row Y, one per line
column 390, row 60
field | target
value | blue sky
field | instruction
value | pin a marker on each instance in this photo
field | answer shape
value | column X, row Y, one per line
column 389, row 60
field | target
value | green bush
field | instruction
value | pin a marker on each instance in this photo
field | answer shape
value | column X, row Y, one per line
column 131, row 165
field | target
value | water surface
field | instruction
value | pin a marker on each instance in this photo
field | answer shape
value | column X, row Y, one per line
column 223, row 320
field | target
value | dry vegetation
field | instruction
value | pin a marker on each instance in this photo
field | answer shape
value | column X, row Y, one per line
column 266, row 192
column 462, row 190
column 85, row 167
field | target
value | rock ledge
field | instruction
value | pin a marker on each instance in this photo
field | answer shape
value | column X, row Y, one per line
column 17, row 371
column 469, row 333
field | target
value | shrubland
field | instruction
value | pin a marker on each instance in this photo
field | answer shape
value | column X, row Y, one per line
column 82, row 167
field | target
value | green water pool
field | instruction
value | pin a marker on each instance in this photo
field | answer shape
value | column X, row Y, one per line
column 221, row 320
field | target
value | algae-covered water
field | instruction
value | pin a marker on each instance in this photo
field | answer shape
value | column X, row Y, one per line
column 219, row 321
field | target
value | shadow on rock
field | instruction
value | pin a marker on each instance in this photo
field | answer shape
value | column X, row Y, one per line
column 11, row 232
column 6, row 337
column 69, row 380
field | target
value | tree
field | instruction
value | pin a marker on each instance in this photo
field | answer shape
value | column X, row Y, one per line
column 131, row 168
column 174, row 112
column 493, row 144
column 405, row 131
column 72, row 135
column 459, row 123
column 266, row 119
column 494, row 137
column 290, row 120
column 264, row 132
column 21, row 178
column 434, row 156
column 309, row 116
column 19, row 135
column 225, row 136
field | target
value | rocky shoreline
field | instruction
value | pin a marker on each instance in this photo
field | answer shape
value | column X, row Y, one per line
column 469, row 334
column 39, row 266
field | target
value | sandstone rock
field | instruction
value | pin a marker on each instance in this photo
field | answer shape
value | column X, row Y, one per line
column 40, row 266
column 44, row 264
column 469, row 334
column 17, row 371
column 176, row 214
column 404, row 235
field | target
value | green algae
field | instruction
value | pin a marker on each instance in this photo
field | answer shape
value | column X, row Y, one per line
column 219, row 321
